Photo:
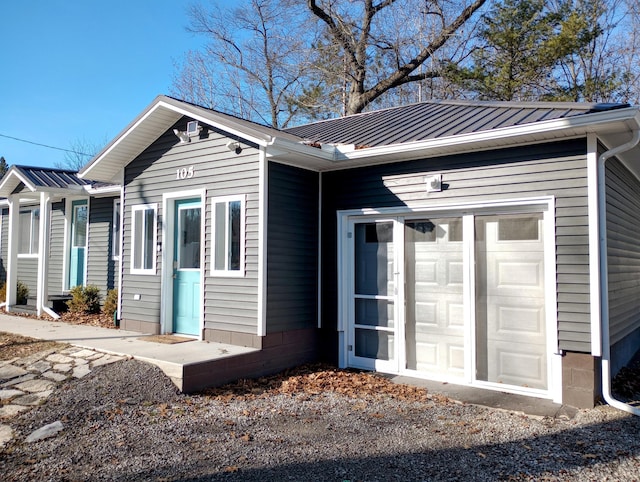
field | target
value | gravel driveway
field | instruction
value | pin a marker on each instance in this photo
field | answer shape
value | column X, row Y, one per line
column 126, row 422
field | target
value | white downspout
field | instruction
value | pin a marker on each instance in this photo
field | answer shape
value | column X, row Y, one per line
column 604, row 276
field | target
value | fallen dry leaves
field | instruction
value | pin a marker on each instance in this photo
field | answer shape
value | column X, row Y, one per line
column 314, row 379
column 17, row 346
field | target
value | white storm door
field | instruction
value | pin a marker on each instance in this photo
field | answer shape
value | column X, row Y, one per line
column 373, row 337
column 435, row 320
column 510, row 332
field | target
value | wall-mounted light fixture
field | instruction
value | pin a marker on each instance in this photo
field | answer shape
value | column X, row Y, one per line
column 434, row 183
column 234, row 146
column 183, row 136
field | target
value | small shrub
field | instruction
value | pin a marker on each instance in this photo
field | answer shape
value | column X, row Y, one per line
column 22, row 293
column 110, row 303
column 84, row 299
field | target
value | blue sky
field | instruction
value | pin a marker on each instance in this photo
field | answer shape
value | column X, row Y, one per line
column 75, row 70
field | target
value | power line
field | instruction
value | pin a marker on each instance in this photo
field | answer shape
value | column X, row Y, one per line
column 45, row 145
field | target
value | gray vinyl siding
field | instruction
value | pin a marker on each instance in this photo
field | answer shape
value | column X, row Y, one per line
column 558, row 169
column 101, row 268
column 292, row 249
column 230, row 303
column 623, row 250
column 28, row 274
column 56, row 248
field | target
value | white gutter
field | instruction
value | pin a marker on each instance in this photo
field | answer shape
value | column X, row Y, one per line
column 604, row 276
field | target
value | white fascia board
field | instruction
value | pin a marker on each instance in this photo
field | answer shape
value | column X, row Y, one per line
column 223, row 124
column 10, row 181
column 163, row 103
column 85, row 172
column 114, row 189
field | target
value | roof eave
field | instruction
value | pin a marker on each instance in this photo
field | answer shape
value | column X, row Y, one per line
column 159, row 116
column 628, row 118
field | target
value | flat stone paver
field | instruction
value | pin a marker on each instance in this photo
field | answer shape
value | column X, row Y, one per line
column 83, row 353
column 58, row 358
column 55, row 376
column 8, row 372
column 16, row 381
column 32, row 399
column 105, row 360
column 40, row 366
column 9, row 411
column 6, row 434
column 7, row 393
column 81, row 371
column 32, row 386
column 63, row 367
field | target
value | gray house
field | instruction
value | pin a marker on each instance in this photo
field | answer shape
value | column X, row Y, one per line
column 480, row 243
column 58, row 231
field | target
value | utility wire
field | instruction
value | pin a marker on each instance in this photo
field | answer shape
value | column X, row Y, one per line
column 45, row 145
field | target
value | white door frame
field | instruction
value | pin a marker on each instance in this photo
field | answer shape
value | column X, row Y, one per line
column 545, row 205
column 166, row 273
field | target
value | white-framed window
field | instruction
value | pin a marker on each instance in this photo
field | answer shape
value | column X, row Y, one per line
column 144, row 224
column 116, row 246
column 29, row 225
column 228, row 224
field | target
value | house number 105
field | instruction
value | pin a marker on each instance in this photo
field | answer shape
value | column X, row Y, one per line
column 184, row 173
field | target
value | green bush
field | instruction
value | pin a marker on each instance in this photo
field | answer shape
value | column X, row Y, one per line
column 110, row 303
column 84, row 299
column 22, row 293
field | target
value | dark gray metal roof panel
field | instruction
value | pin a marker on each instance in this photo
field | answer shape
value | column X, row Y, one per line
column 432, row 120
column 52, row 178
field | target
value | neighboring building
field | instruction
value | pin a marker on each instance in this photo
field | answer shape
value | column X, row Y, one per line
column 488, row 244
column 55, row 212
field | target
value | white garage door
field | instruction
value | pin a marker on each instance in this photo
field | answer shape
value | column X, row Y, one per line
column 510, row 314
column 434, row 297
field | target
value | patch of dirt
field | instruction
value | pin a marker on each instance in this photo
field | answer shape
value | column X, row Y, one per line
column 97, row 319
column 17, row 346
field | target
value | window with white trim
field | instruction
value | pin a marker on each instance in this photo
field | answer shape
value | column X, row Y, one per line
column 144, row 223
column 116, row 246
column 29, row 226
column 228, row 236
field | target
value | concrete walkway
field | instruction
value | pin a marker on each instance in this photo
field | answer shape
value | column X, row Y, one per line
column 171, row 358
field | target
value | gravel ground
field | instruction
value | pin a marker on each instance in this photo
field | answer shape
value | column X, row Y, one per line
column 126, row 421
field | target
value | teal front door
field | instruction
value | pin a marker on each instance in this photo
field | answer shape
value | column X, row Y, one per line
column 186, row 266
column 78, row 245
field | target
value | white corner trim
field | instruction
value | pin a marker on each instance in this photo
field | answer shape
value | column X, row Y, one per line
column 263, row 183
column 595, row 297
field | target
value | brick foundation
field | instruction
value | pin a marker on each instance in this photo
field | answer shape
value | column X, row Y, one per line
column 580, row 380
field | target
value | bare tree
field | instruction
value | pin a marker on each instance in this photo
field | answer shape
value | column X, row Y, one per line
column 378, row 57
column 253, row 63
column 78, row 154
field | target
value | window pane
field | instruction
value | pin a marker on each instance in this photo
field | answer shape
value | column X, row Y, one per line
column 522, row 228
column 80, row 227
column 220, row 236
column 138, row 244
column 35, row 231
column 189, row 242
column 234, row 235
column 24, row 240
column 148, row 239
column 115, row 242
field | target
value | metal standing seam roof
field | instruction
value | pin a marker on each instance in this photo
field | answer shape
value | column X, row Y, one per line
column 432, row 120
column 51, row 178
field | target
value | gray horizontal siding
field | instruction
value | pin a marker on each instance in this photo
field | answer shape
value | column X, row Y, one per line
column 557, row 169
column 28, row 274
column 230, row 303
column 101, row 268
column 292, row 249
column 623, row 243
